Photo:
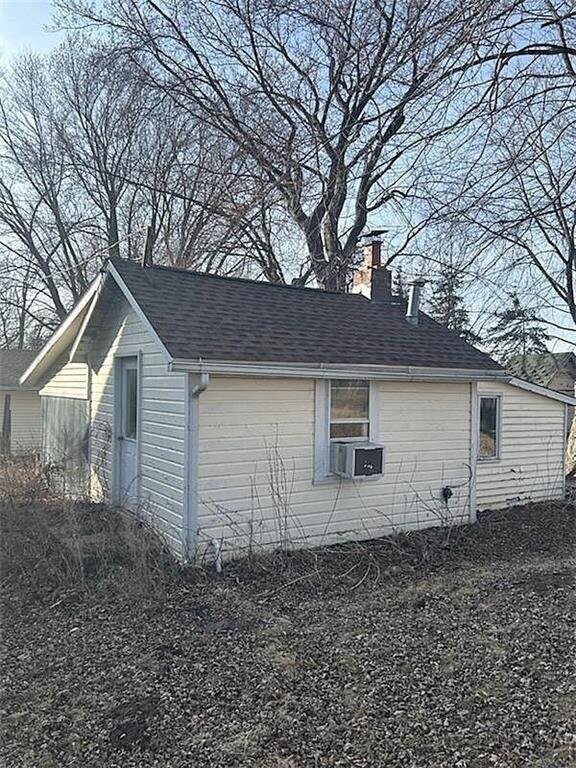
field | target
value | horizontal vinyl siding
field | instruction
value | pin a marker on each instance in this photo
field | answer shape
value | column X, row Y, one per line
column 26, row 420
column 256, row 465
column 531, row 463
column 162, row 420
column 67, row 380
column 65, row 434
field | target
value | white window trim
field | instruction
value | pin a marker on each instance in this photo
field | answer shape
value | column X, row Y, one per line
column 322, row 474
column 498, row 455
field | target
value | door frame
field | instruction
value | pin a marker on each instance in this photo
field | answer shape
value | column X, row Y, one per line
column 116, row 422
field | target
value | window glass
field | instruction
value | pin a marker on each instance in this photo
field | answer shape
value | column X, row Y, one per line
column 131, row 403
column 349, row 409
column 343, row 431
column 489, row 447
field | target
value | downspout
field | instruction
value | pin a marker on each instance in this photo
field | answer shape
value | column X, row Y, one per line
column 199, row 388
column 192, row 431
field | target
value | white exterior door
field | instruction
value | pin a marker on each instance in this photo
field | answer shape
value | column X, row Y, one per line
column 127, row 393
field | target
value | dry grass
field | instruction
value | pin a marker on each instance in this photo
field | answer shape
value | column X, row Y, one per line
column 49, row 542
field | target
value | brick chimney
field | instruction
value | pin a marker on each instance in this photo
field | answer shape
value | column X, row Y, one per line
column 371, row 279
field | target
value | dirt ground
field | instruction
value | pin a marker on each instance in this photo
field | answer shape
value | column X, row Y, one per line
column 362, row 658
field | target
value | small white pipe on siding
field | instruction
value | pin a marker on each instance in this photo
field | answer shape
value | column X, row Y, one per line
column 217, row 547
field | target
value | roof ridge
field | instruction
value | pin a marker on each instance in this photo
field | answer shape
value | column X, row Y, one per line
column 227, row 278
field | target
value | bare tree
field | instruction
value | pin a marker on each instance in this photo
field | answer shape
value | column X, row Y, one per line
column 504, row 186
column 512, row 194
column 209, row 208
column 90, row 161
column 42, row 221
column 335, row 102
column 100, row 108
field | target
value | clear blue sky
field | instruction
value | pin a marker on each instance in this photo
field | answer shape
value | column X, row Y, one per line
column 23, row 27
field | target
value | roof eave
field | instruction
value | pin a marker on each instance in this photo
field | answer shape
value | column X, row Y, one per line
column 337, row 370
column 537, row 389
column 60, row 339
column 71, row 332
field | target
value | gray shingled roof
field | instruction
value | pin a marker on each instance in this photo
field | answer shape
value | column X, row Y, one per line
column 13, row 363
column 199, row 316
column 541, row 368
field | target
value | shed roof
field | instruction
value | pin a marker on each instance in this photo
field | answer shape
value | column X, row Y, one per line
column 543, row 367
column 13, row 363
column 206, row 317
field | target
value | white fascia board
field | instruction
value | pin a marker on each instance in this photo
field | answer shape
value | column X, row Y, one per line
column 138, row 310
column 544, row 391
column 58, row 338
column 329, row 371
column 87, row 317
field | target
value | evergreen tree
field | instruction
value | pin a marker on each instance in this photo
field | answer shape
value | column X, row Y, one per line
column 517, row 330
column 398, row 288
column 446, row 305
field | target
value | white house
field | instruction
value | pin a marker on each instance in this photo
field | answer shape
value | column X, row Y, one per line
column 20, row 419
column 241, row 414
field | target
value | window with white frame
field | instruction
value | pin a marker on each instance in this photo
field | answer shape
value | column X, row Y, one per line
column 489, row 418
column 345, row 410
column 349, row 409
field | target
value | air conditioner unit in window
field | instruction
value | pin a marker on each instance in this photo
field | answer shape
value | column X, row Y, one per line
column 354, row 459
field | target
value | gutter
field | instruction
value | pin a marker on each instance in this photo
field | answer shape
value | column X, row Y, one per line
column 334, row 370
column 190, row 511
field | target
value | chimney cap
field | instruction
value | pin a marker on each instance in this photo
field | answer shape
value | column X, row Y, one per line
column 419, row 281
column 374, row 234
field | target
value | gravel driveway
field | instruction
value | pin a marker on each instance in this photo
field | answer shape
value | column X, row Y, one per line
column 468, row 663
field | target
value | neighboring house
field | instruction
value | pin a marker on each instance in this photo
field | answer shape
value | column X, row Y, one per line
column 241, row 414
column 554, row 370
column 20, row 419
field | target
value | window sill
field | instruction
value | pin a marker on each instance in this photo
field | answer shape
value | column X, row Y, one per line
column 337, row 480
